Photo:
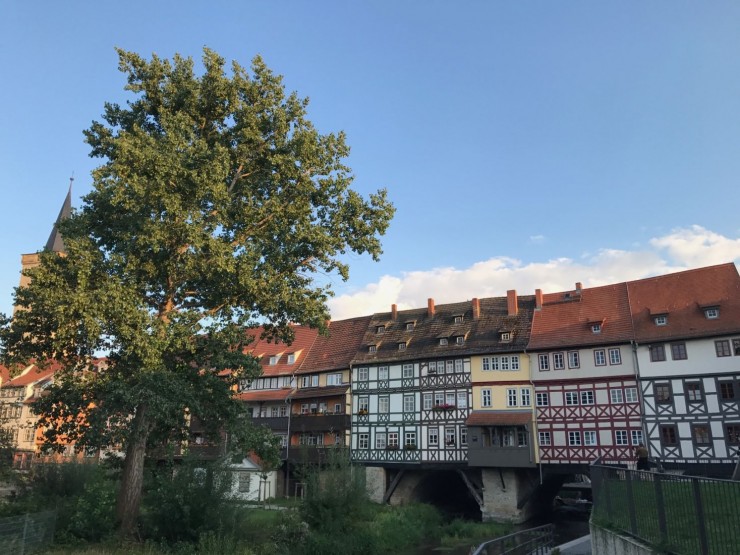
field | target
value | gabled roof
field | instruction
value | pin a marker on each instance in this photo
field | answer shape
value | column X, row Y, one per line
column 4, row 374
column 264, row 350
column 336, row 351
column 265, row 395
column 32, row 374
column 567, row 318
column 481, row 335
column 55, row 243
column 682, row 298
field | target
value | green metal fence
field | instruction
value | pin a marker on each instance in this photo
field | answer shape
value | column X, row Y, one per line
column 678, row 514
column 27, row 533
column 535, row 541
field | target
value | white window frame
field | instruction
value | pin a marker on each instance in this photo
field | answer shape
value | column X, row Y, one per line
column 574, row 438
column 621, row 438
column 427, row 401
column 711, row 313
column 409, row 403
column 383, row 372
column 291, row 358
column 558, row 361
column 571, row 398
column 544, row 439
column 636, row 436
column 511, row 397
column 543, row 362
column 588, row 397
column 462, row 399
column 616, row 396
column 409, row 438
column 486, row 399
column 630, row 395
column 363, row 374
column 273, row 360
column 599, row 357
column 402, row 346
column 574, row 359
column 661, row 320
column 589, row 438
column 615, row 356
column 334, row 379
column 542, row 398
column 384, row 404
column 433, row 436
column 363, row 441
column 408, row 371
column 526, row 396
column 443, row 341
column 486, row 364
column 381, row 440
column 515, row 362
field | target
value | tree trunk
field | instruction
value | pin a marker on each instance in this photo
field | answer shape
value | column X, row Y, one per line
column 132, row 480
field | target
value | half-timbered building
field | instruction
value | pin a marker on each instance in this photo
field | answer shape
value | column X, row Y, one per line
column 585, row 387
column 687, row 347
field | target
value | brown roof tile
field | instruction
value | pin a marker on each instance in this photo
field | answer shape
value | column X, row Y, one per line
column 566, row 318
column 264, row 349
column 336, row 350
column 311, row 392
column 499, row 418
column 682, row 296
column 265, row 395
column 34, row 374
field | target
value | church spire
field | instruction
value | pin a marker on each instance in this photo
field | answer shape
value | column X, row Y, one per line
column 55, row 242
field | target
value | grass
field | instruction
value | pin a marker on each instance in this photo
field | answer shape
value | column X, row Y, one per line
column 720, row 503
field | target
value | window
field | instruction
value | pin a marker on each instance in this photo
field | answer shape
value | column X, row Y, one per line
column 380, row 440
column 630, row 394
column 362, row 374
column 678, row 351
column 600, row 357
column 363, row 404
column 462, row 399
column 574, row 438
column 382, row 372
column 463, row 435
column 543, row 399
column 244, row 480
column 511, row 397
column 427, row 401
column 515, row 362
column 460, row 340
column 393, row 439
column 439, row 399
column 310, row 381
column 558, row 361
column 722, row 348
column 485, row 398
column 443, row 341
column 450, row 398
column 450, row 436
column 694, row 392
column 372, row 348
column 596, row 328
column 363, row 441
column 636, row 437
column 458, row 366
column 711, row 313
column 450, row 365
column 657, row 353
column 544, row 438
column 616, row 396
column 384, row 404
column 410, row 326
column 574, row 360
column 544, row 363
column 587, row 397
column 291, row 358
column 283, row 410
column 504, row 363
column 337, row 408
column 589, row 438
column 732, row 433
column 402, row 346
column 668, row 435
column 305, row 408
column 506, row 336
column 380, row 329
column 701, row 434
column 458, row 319
column 273, row 360
column 526, row 396
column 334, row 379
column 727, row 391
column 571, row 398
column 661, row 320
column 408, row 403
column 274, row 412
column 409, row 438
column 620, row 437
column 663, row 393
column 433, row 437
column 495, row 363
column 486, row 363
column 615, row 356
column 736, row 347
column 432, row 368
column 408, row 370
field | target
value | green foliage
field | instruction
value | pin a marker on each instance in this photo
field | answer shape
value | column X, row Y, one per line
column 217, row 205
column 407, row 526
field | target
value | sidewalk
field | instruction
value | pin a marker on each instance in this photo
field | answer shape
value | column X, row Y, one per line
column 581, row 546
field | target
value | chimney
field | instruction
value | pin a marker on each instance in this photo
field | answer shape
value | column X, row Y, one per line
column 538, row 299
column 579, row 286
column 511, row 303
column 394, row 312
column 430, row 307
column 476, row 309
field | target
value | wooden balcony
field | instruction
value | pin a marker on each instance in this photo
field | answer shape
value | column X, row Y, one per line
column 275, row 423
column 319, row 422
column 510, row 457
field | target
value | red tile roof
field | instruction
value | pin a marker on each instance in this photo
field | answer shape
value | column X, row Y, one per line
column 4, row 374
column 264, row 349
column 336, row 351
column 566, row 318
column 265, row 395
column 315, row 392
column 32, row 374
column 682, row 296
column 499, row 418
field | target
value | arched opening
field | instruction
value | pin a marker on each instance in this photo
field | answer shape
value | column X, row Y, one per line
column 446, row 490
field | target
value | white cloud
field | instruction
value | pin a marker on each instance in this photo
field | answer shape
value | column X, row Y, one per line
column 536, row 239
column 681, row 249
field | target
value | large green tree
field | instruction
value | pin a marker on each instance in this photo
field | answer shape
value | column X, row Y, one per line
column 217, row 205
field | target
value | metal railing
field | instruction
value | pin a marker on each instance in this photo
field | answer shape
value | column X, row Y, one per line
column 679, row 514
column 535, row 541
column 27, row 533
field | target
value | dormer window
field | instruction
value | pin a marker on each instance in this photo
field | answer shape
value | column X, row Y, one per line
column 661, row 320
column 409, row 326
column 711, row 313
column 443, row 341
column 380, row 329
column 460, row 340
column 291, row 358
column 372, row 348
column 505, row 336
column 459, row 319
column 273, row 360
column 402, row 346
column 596, row 328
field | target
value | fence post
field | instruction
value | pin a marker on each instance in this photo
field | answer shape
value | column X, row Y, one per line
column 631, row 501
column 702, row 525
column 660, row 506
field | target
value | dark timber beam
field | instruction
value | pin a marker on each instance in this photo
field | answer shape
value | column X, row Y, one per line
column 392, row 487
column 476, row 494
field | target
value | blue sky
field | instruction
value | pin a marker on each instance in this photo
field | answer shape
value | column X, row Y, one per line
column 524, row 144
